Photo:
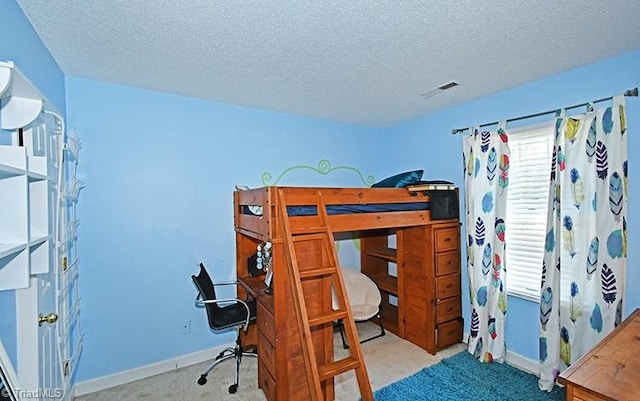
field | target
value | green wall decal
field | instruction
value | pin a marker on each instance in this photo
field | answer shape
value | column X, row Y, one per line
column 324, row 168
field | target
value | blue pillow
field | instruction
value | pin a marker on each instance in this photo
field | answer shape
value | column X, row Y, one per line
column 400, row 180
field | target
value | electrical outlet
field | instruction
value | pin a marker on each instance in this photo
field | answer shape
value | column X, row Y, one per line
column 185, row 326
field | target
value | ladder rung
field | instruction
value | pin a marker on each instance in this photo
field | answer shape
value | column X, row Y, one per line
column 317, row 272
column 308, row 230
column 336, row 368
column 306, row 236
column 327, row 317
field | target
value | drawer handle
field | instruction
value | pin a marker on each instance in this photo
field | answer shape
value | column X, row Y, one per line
column 447, row 239
column 449, row 285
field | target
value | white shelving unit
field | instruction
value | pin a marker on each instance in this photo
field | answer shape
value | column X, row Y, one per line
column 28, row 177
column 39, row 191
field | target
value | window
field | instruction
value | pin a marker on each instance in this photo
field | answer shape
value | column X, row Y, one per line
column 527, row 204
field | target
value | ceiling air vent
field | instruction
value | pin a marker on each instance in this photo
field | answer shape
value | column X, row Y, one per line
column 438, row 89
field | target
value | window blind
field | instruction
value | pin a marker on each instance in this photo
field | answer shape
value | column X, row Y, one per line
column 527, row 204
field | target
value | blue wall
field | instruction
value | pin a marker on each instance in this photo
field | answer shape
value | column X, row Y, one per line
column 20, row 43
column 431, row 141
column 160, row 170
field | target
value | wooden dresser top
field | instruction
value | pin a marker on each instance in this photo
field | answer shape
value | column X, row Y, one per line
column 612, row 368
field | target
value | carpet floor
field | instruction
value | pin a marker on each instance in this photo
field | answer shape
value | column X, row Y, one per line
column 393, row 364
column 388, row 359
column 462, row 377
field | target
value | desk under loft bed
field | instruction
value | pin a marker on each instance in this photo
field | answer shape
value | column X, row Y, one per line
column 421, row 303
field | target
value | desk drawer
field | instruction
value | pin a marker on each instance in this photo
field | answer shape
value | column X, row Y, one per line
column 447, row 239
column 447, row 309
column 447, row 286
column 448, row 333
column 266, row 323
column 266, row 354
column 447, row 263
column 266, row 382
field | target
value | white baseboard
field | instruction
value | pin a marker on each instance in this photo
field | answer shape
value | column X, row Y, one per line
column 142, row 372
column 528, row 365
column 516, row 360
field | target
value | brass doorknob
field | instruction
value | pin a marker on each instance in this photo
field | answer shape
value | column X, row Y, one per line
column 50, row 318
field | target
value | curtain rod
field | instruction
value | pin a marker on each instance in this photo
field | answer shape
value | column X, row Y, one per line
column 631, row 93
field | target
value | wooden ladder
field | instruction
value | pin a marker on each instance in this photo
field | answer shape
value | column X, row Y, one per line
column 318, row 372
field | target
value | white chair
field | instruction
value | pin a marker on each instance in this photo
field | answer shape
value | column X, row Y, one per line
column 364, row 299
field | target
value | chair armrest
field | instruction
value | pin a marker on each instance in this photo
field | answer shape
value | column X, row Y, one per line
column 226, row 283
column 247, row 289
column 203, row 302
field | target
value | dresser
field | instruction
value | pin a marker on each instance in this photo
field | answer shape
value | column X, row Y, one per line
column 419, row 279
column 611, row 370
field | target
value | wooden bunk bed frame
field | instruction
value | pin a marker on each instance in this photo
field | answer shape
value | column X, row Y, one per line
column 267, row 226
column 425, row 250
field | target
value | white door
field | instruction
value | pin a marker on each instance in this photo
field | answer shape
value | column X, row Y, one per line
column 40, row 307
column 40, row 370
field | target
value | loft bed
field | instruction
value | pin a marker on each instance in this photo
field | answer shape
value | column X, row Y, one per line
column 256, row 211
column 422, row 242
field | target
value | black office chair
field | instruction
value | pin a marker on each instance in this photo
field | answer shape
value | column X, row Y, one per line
column 237, row 313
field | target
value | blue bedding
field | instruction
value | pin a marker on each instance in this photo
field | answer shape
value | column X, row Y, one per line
column 350, row 209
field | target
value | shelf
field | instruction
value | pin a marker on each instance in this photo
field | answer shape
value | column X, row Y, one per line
column 73, row 146
column 386, row 283
column 39, row 253
column 38, row 204
column 14, row 211
column 388, row 254
column 10, row 249
column 73, row 189
column 14, row 269
column 12, row 161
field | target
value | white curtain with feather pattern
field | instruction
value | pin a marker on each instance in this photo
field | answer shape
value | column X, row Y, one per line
column 486, row 185
column 585, row 249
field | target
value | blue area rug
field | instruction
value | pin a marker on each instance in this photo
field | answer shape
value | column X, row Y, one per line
column 461, row 377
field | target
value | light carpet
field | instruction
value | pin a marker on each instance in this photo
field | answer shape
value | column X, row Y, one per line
column 388, row 359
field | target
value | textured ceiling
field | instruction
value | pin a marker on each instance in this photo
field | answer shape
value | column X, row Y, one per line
column 364, row 62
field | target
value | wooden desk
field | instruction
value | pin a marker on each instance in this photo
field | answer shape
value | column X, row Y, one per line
column 611, row 371
column 280, row 358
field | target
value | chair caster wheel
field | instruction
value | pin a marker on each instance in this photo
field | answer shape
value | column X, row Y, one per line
column 202, row 380
column 233, row 388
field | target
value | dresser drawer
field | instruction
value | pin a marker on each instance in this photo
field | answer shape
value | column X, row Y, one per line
column 266, row 323
column 266, row 382
column 447, row 286
column 447, row 239
column 449, row 333
column 448, row 309
column 584, row 395
column 266, row 354
column 447, row 263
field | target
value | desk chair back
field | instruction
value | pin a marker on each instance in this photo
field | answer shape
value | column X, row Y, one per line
column 233, row 314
